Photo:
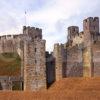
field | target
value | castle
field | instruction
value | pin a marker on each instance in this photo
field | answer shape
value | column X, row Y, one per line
column 78, row 57
column 31, row 49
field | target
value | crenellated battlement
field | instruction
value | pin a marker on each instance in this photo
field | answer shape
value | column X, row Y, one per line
column 91, row 25
column 31, row 49
column 60, row 55
column 33, row 32
column 82, row 51
column 72, row 32
column 9, row 37
column 32, row 28
column 11, row 42
column 79, row 57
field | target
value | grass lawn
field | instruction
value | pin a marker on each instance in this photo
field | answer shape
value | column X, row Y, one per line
column 10, row 64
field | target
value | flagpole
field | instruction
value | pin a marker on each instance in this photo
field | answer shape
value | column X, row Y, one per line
column 25, row 19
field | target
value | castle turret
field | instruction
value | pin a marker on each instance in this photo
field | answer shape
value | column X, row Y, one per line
column 91, row 25
column 33, row 32
column 91, row 30
column 72, row 32
column 60, row 61
column 34, row 60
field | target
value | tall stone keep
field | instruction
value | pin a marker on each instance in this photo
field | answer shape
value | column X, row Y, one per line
column 34, row 60
column 91, row 31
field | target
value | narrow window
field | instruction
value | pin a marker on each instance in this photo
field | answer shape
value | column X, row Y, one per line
column 35, row 37
column 35, row 61
column 35, row 49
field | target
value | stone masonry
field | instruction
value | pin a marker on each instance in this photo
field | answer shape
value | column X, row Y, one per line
column 82, row 51
column 31, row 49
column 60, row 61
column 78, row 57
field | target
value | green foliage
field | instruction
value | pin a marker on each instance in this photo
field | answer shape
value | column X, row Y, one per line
column 10, row 63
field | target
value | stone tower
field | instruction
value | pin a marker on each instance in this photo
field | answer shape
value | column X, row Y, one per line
column 91, row 31
column 72, row 32
column 60, row 61
column 74, row 52
column 34, row 60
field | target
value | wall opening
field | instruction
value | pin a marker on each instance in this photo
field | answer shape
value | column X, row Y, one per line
column 10, row 63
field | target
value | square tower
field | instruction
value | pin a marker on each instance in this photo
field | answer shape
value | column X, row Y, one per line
column 34, row 60
column 72, row 32
column 91, row 30
column 60, row 56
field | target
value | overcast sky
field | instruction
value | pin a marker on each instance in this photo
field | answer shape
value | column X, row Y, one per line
column 53, row 16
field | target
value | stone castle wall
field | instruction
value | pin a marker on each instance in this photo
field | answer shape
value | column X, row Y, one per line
column 87, row 62
column 34, row 60
column 79, row 57
column 60, row 61
column 7, row 83
column 96, row 58
column 31, row 49
column 83, row 50
column 74, row 62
